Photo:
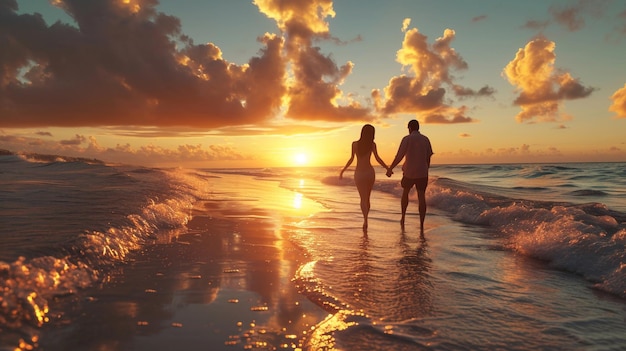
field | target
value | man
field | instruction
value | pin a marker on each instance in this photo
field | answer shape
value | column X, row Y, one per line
column 416, row 150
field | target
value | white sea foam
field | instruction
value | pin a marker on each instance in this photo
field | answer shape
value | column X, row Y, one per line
column 67, row 222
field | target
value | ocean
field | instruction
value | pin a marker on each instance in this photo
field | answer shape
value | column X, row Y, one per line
column 514, row 257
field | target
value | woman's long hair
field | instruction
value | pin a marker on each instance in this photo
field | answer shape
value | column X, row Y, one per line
column 367, row 139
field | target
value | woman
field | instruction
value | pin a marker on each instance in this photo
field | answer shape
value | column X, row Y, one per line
column 364, row 174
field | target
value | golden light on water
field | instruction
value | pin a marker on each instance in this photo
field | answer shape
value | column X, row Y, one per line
column 297, row 201
column 40, row 312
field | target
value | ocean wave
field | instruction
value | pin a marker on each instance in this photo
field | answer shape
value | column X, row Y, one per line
column 49, row 159
column 530, row 188
column 127, row 207
column 587, row 239
column 588, row 192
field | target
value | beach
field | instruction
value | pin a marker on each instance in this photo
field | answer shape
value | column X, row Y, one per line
column 169, row 298
column 225, row 284
column 277, row 259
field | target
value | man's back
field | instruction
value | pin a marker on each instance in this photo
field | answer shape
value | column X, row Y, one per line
column 418, row 151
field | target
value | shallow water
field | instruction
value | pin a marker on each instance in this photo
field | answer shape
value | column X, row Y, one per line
column 518, row 257
column 459, row 288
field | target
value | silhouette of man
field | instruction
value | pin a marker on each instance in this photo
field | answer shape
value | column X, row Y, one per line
column 415, row 148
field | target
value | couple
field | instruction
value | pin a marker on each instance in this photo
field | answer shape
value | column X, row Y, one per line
column 416, row 150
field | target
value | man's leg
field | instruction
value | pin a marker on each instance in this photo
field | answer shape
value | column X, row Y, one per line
column 404, row 203
column 420, row 186
column 421, row 197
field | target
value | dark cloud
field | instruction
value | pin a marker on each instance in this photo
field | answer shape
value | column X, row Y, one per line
column 314, row 92
column 572, row 16
column 536, row 25
column 121, row 66
column 464, row 92
column 479, row 18
column 125, row 63
column 77, row 140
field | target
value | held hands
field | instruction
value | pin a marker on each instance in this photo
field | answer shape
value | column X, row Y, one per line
column 389, row 172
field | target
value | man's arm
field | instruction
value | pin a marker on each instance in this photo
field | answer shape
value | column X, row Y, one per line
column 430, row 152
column 400, row 154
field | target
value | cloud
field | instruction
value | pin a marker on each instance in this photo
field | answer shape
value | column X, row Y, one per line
column 313, row 90
column 536, row 25
column 271, row 128
column 479, row 18
column 422, row 91
column 575, row 15
column 448, row 115
column 463, row 92
column 405, row 24
column 124, row 63
column 88, row 147
column 464, row 135
column 78, row 139
column 619, row 102
column 572, row 16
column 541, row 87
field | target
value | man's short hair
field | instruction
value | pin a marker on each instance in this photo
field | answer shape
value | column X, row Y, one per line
column 414, row 124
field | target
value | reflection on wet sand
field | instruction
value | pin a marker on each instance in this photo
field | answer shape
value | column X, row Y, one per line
column 413, row 285
column 383, row 277
column 227, row 282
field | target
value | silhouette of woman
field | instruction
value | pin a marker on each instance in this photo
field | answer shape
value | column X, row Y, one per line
column 364, row 174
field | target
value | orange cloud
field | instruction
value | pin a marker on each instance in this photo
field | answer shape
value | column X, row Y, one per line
column 127, row 64
column 313, row 91
column 619, row 102
column 542, row 88
column 305, row 17
column 430, row 67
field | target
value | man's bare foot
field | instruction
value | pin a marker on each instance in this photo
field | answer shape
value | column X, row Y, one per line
column 402, row 222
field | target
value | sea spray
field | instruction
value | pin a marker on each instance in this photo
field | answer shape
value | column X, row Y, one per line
column 119, row 208
column 582, row 238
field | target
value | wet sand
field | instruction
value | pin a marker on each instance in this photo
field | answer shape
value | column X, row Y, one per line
column 225, row 285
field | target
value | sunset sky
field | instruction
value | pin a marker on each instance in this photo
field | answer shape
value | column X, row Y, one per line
column 268, row 83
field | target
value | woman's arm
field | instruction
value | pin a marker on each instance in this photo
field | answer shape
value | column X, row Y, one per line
column 375, row 150
column 350, row 160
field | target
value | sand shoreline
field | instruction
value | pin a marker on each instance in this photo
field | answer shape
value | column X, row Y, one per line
column 226, row 284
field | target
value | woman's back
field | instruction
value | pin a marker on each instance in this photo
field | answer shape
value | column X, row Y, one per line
column 363, row 153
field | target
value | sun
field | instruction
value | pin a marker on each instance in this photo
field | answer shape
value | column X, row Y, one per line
column 301, row 159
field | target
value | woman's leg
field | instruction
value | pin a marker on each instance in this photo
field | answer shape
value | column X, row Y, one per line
column 364, row 185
